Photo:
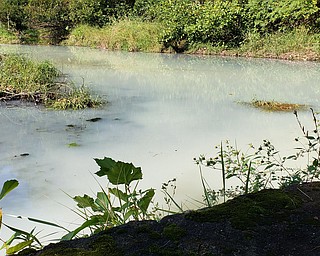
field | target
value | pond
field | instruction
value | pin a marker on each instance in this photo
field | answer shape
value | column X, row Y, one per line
column 163, row 110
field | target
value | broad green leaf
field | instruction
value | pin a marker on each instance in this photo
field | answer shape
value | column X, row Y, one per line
column 84, row 201
column 118, row 172
column 18, row 247
column 105, row 165
column 145, row 201
column 7, row 187
column 119, row 194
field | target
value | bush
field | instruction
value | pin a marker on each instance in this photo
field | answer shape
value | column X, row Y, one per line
column 12, row 14
column 49, row 18
column 186, row 22
column 267, row 16
column 98, row 12
column 217, row 23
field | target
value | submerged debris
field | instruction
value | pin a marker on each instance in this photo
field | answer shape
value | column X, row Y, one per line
column 95, row 119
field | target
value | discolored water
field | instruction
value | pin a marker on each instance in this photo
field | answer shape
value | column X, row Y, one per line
column 163, row 110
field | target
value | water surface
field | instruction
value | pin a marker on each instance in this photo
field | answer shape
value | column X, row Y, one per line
column 163, row 110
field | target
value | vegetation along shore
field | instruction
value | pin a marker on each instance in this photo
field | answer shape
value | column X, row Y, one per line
column 286, row 29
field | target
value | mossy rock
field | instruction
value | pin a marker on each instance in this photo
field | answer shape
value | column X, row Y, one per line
column 261, row 208
column 269, row 222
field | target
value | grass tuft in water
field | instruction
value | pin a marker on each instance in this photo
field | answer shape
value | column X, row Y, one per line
column 24, row 79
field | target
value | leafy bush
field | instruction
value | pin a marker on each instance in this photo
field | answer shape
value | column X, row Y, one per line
column 267, row 16
column 186, row 22
column 217, row 23
column 98, row 12
column 12, row 14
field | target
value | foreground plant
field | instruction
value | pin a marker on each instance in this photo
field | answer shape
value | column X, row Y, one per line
column 24, row 239
column 23, row 79
column 116, row 204
column 262, row 167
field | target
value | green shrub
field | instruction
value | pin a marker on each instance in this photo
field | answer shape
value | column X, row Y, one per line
column 186, row 22
column 142, row 8
column 217, row 23
column 12, row 14
column 98, row 12
column 48, row 19
column 267, row 16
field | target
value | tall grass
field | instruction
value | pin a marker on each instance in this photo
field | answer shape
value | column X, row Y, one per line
column 297, row 44
column 7, row 37
column 129, row 35
column 21, row 78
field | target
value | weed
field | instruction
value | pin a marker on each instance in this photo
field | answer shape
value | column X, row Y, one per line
column 115, row 205
column 262, row 167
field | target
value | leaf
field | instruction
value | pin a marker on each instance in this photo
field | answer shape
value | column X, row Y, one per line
column 18, row 247
column 84, row 201
column 105, row 164
column 119, row 194
column 46, row 223
column 7, row 187
column 102, row 200
column 145, row 201
column 130, row 213
column 0, row 217
column 118, row 172
column 19, row 232
column 270, row 166
column 94, row 220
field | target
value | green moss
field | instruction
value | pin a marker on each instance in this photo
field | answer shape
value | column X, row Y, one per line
column 163, row 251
column 174, row 232
column 147, row 229
column 263, row 208
column 100, row 246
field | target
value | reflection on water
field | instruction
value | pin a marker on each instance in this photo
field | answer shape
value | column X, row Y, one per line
column 163, row 110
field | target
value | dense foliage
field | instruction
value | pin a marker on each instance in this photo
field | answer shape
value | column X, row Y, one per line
column 185, row 22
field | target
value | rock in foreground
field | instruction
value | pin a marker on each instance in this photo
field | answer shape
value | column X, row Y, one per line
column 270, row 222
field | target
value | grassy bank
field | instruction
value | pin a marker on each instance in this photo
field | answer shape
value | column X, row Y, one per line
column 7, row 37
column 127, row 35
column 298, row 44
column 143, row 36
column 23, row 79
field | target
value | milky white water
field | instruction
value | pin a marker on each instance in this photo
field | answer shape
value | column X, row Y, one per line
column 163, row 111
